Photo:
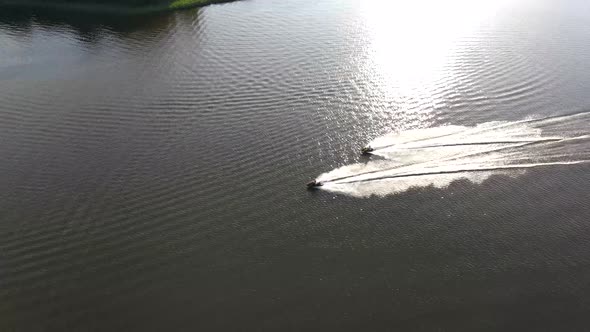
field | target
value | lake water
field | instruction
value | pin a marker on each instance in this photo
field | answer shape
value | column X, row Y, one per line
column 153, row 168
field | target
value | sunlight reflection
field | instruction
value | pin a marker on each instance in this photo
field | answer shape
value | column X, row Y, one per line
column 412, row 44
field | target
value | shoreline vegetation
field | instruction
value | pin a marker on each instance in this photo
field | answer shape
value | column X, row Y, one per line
column 112, row 6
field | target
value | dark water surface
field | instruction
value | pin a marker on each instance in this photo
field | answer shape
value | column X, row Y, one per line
column 153, row 168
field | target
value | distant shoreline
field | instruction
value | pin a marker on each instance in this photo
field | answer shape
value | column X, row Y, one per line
column 166, row 5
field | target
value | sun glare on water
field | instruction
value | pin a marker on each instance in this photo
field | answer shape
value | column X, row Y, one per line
column 412, row 44
column 416, row 53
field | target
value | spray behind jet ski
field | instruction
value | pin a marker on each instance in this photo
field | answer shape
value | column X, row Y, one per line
column 438, row 156
column 315, row 184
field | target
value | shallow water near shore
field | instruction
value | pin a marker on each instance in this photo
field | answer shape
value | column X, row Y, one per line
column 153, row 167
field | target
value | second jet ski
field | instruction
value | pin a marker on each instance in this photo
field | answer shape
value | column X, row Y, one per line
column 366, row 150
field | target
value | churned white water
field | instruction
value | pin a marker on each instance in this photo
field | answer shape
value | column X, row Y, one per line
column 440, row 155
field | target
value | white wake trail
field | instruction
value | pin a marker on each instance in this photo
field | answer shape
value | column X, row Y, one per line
column 438, row 156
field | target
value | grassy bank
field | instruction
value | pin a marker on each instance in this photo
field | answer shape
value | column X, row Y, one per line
column 112, row 6
column 180, row 4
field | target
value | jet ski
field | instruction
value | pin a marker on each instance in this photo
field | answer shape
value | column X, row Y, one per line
column 314, row 184
column 367, row 150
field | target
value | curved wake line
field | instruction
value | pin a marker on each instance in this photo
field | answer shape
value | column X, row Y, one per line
column 446, row 159
column 469, row 170
column 440, row 155
column 442, row 145
column 478, row 130
column 422, row 163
